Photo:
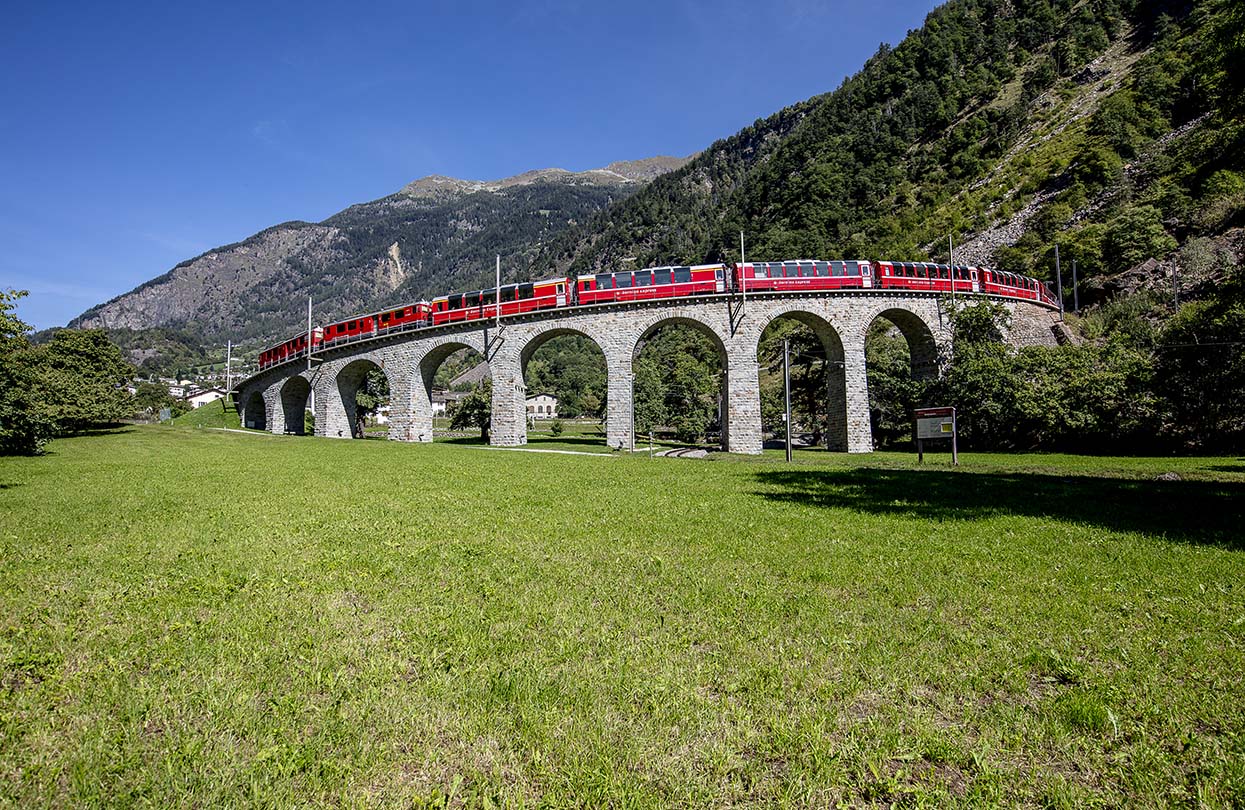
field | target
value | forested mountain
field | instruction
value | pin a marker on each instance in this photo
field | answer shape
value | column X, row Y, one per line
column 435, row 235
column 1110, row 126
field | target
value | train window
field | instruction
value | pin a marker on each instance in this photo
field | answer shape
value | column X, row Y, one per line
column 622, row 280
column 836, row 268
column 643, row 278
column 352, row 325
column 853, row 268
column 385, row 318
column 488, row 296
column 605, row 281
column 682, row 275
column 823, row 268
column 527, row 290
column 760, row 271
column 807, row 269
column 470, row 300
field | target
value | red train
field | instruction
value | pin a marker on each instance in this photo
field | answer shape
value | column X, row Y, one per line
column 665, row 282
column 928, row 277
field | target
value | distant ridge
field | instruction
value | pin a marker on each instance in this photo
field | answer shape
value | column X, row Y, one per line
column 435, row 234
column 618, row 173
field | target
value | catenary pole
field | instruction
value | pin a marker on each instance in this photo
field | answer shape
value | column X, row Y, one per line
column 1076, row 294
column 786, row 387
column 309, row 335
column 743, row 275
column 228, row 366
column 497, row 294
column 1058, row 281
column 951, row 263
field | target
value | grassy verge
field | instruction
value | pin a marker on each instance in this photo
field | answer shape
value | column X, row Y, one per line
column 194, row 617
column 218, row 414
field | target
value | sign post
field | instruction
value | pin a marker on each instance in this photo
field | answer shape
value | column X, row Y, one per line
column 935, row 423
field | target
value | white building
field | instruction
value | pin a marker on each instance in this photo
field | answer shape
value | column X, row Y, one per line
column 542, row 406
column 201, row 398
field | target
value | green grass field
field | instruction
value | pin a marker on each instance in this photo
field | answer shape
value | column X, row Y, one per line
column 201, row 618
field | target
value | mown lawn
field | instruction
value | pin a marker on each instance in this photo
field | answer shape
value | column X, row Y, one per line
column 194, row 617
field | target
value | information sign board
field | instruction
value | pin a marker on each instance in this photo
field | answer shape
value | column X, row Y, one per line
column 935, row 423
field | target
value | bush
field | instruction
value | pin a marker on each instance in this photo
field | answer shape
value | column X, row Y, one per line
column 556, row 427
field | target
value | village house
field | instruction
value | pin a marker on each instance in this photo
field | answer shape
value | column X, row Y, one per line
column 542, row 406
column 200, row 398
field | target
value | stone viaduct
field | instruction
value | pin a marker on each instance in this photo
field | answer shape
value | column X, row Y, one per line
column 276, row 398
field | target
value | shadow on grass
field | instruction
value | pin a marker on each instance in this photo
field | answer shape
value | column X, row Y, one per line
column 102, row 430
column 598, row 441
column 460, row 440
column 1191, row 511
column 1228, row 468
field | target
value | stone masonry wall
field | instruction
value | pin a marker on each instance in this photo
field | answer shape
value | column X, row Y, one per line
column 841, row 322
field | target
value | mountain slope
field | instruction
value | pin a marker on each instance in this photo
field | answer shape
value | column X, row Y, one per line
column 1009, row 124
column 434, row 235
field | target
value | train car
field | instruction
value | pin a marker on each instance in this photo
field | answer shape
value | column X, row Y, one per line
column 516, row 299
column 929, row 277
column 803, row 274
column 1014, row 285
column 290, row 349
column 410, row 316
column 653, row 282
column 353, row 329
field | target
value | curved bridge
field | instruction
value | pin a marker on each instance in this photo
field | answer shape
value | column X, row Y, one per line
column 276, row 398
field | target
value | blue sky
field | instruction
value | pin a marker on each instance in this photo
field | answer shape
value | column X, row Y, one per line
column 133, row 136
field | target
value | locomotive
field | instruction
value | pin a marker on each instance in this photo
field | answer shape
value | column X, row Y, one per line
column 664, row 282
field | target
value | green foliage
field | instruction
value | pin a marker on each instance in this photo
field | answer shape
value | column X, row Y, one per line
column 866, row 170
column 1134, row 235
column 572, row 368
column 25, row 426
column 1088, row 397
column 151, row 397
column 71, row 383
column 373, row 394
column 649, row 393
column 678, row 383
column 1117, row 121
column 809, row 379
column 82, row 378
column 556, row 427
column 475, row 410
column 977, row 323
column 893, row 391
column 1200, row 369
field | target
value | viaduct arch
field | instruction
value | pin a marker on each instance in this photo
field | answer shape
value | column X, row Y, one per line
column 273, row 398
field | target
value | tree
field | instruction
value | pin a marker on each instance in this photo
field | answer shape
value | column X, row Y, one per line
column 475, row 410
column 82, row 379
column 1135, row 235
column 151, row 397
column 373, row 394
column 25, row 427
column 650, row 396
column 1200, row 369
